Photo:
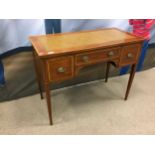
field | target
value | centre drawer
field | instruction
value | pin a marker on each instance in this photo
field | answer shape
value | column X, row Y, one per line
column 96, row 56
column 60, row 68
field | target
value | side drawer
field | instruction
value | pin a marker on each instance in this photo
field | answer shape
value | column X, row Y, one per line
column 130, row 54
column 96, row 56
column 60, row 68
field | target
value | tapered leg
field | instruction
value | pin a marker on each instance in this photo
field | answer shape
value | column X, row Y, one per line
column 37, row 76
column 107, row 71
column 132, row 73
column 48, row 98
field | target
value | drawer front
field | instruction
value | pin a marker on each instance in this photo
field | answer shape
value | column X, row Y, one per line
column 60, row 68
column 130, row 54
column 96, row 56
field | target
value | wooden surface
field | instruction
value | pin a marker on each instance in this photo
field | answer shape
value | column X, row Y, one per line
column 53, row 44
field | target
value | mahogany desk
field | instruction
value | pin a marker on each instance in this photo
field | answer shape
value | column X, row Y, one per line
column 59, row 57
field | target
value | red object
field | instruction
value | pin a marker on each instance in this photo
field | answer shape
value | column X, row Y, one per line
column 142, row 27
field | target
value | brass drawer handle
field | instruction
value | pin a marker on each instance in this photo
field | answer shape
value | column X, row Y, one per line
column 111, row 53
column 85, row 58
column 130, row 55
column 61, row 70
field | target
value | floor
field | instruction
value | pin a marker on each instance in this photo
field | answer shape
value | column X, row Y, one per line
column 92, row 108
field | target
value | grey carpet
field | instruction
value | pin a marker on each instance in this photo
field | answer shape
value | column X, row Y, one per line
column 93, row 108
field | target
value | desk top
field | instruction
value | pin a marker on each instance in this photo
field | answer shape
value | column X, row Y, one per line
column 53, row 44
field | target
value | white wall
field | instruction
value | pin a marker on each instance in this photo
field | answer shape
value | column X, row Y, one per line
column 14, row 32
column 80, row 24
